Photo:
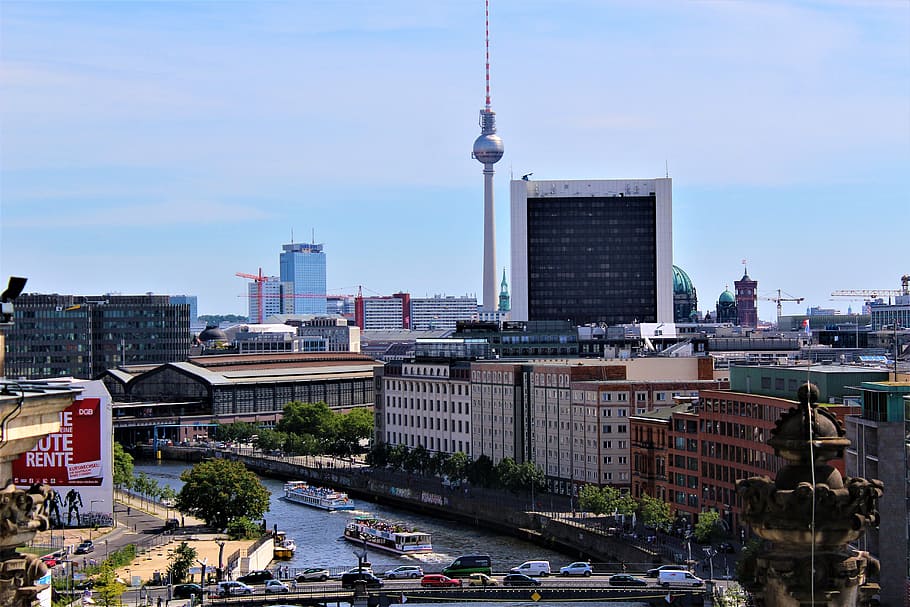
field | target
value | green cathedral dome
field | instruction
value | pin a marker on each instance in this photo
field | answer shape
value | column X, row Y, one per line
column 682, row 284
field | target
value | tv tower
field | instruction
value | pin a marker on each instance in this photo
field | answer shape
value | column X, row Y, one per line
column 488, row 150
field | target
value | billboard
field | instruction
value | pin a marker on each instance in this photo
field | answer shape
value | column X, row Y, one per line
column 77, row 461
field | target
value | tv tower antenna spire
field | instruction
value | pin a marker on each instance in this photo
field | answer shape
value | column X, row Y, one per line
column 488, row 150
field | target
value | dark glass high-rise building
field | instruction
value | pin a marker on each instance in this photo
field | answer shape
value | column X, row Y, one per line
column 82, row 336
column 592, row 251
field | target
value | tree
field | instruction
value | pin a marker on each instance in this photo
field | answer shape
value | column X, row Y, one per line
column 481, row 471
column 706, row 526
column 218, row 491
column 107, row 589
column 182, row 558
column 355, row 426
column 456, row 466
column 655, row 513
column 314, row 419
column 625, row 504
column 378, row 456
column 123, row 466
column 508, row 474
column 270, row 440
column 243, row 529
column 592, row 499
column 235, row 432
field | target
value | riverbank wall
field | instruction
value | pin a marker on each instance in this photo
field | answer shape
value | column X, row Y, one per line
column 545, row 520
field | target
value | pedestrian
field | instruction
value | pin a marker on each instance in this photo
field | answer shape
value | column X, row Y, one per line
column 159, row 601
column 128, row 510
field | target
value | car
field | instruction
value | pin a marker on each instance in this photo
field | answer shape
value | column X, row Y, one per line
column 656, row 571
column 438, row 580
column 275, row 587
column 624, row 579
column 317, row 574
column 405, row 571
column 86, row 584
column 364, row 569
column 464, row 566
column 519, row 579
column 51, row 560
column 669, row 578
column 233, row 588
column 577, row 568
column 348, row 579
column 85, row 547
column 187, row 591
column 530, row 568
column 256, row 577
column 726, row 547
column 481, row 579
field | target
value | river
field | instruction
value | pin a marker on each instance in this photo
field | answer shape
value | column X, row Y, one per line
column 318, row 532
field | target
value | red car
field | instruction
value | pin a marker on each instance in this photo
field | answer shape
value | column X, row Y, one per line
column 438, row 580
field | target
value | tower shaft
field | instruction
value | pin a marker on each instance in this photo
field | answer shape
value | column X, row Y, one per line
column 490, row 298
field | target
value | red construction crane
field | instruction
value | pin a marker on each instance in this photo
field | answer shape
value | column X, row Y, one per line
column 258, row 279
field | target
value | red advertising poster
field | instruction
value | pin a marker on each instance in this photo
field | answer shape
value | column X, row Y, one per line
column 69, row 457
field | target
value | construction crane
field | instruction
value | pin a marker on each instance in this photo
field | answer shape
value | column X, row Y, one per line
column 258, row 279
column 780, row 298
column 875, row 293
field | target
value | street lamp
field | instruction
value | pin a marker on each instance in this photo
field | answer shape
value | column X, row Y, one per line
column 91, row 509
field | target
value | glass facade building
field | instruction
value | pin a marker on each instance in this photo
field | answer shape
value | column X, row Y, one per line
column 303, row 268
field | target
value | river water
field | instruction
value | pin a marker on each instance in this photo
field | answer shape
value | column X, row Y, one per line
column 318, row 532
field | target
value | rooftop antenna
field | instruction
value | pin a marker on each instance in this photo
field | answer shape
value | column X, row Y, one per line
column 292, row 235
column 314, row 235
column 667, row 165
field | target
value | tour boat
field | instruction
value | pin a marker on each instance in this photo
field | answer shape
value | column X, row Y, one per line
column 284, row 547
column 392, row 537
column 300, row 492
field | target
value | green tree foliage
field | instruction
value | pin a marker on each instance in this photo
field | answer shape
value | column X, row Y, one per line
column 243, row 528
column 217, row 319
column 107, row 589
column 707, row 526
column 481, row 472
column 218, row 491
column 182, row 558
column 307, row 444
column 123, row 466
column 236, row 432
column 378, row 456
column 456, row 466
column 314, row 419
column 508, row 474
column 530, row 476
column 592, row 499
column 355, row 426
column 270, row 440
column 655, row 513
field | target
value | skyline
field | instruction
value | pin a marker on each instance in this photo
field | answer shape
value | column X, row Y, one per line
column 165, row 146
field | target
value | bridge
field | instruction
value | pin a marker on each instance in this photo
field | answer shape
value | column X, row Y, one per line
column 319, row 596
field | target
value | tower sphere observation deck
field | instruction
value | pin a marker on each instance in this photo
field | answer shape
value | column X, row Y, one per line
column 488, row 148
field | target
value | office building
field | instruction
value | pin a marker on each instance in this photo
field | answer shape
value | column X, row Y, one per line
column 303, row 271
column 441, row 312
column 192, row 302
column 266, row 299
column 82, row 335
column 383, row 312
column 592, row 251
column 880, row 439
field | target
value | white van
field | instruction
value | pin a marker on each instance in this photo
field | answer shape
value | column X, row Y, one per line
column 532, row 568
column 678, row 578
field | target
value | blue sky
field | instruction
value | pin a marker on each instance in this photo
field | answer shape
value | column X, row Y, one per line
column 165, row 146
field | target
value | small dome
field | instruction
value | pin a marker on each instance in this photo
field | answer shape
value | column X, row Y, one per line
column 212, row 333
column 682, row 284
column 726, row 298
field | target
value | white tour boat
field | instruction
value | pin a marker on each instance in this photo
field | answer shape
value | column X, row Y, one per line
column 301, row 492
column 392, row 537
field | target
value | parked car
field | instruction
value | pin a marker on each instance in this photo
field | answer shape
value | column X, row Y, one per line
column 51, row 560
column 577, row 568
column 438, row 580
column 624, row 579
column 364, row 569
column 313, row 574
column 519, row 579
column 275, row 587
column 481, row 579
column 656, row 571
column 232, row 588
column 405, row 571
column 726, row 547
column 85, row 547
column 678, row 578
column 348, row 579
column 187, row 591
column 256, row 577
